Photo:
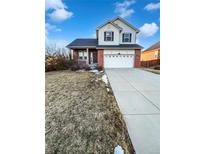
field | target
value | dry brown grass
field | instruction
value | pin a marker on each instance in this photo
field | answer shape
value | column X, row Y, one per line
column 81, row 116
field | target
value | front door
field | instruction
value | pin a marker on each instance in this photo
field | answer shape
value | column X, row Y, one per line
column 95, row 55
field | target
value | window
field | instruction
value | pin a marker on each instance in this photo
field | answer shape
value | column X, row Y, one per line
column 108, row 36
column 82, row 55
column 126, row 37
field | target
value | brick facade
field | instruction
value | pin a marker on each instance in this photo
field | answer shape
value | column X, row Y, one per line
column 75, row 55
column 100, row 53
column 137, row 58
column 100, row 57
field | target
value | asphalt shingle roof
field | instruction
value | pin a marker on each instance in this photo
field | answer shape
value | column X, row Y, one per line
column 83, row 43
column 80, row 43
column 154, row 46
column 123, row 46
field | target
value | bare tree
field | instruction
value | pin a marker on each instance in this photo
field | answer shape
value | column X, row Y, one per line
column 53, row 49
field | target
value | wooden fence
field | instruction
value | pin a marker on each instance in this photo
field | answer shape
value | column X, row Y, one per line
column 150, row 63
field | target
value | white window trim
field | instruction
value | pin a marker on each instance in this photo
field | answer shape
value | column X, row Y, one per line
column 84, row 55
column 111, row 37
column 128, row 37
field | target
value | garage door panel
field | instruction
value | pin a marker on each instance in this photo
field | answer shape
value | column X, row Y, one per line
column 118, row 60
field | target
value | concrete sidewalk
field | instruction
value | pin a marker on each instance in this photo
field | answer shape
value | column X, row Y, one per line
column 138, row 95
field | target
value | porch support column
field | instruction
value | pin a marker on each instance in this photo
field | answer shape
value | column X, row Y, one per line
column 87, row 61
column 71, row 53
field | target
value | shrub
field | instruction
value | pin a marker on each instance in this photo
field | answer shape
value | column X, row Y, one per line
column 56, row 61
column 99, row 68
column 87, row 68
column 60, row 61
column 75, row 68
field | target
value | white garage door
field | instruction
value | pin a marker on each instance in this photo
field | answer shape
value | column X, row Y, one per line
column 118, row 60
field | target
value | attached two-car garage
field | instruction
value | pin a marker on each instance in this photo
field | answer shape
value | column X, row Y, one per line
column 119, row 58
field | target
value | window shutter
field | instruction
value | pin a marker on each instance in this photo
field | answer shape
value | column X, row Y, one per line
column 123, row 36
column 112, row 36
column 130, row 37
column 104, row 35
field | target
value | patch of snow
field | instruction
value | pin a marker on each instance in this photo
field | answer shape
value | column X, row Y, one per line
column 108, row 89
column 118, row 150
column 82, row 70
column 93, row 66
column 105, row 79
column 94, row 71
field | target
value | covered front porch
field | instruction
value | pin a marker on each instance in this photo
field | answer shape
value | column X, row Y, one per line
column 86, row 56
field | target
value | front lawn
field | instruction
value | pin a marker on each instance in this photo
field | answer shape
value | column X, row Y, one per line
column 82, row 116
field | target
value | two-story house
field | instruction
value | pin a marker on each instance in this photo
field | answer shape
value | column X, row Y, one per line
column 114, row 47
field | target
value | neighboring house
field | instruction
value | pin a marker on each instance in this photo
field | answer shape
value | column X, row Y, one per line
column 114, row 47
column 152, row 53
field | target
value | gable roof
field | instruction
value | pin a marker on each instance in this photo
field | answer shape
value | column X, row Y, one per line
column 83, row 42
column 110, row 22
column 122, row 20
column 125, row 22
column 154, row 46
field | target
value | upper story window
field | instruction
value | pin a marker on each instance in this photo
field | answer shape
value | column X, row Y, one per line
column 126, row 37
column 108, row 36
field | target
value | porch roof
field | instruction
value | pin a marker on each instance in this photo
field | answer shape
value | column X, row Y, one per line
column 83, row 43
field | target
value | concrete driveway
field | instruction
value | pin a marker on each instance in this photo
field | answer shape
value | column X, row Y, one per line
column 138, row 95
